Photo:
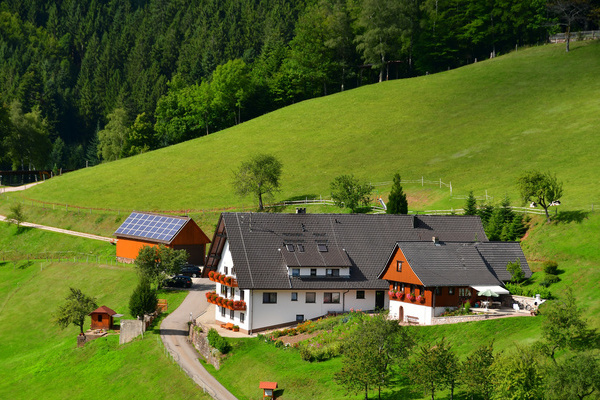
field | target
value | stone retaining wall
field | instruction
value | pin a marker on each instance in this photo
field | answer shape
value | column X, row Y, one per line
column 459, row 318
column 200, row 342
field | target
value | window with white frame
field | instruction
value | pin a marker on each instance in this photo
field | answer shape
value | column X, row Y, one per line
column 224, row 290
column 294, row 296
column 222, row 311
column 242, row 317
column 331, row 297
column 231, row 314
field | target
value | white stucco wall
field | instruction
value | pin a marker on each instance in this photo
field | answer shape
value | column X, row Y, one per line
column 259, row 315
column 422, row 312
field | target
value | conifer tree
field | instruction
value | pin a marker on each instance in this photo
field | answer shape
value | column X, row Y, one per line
column 397, row 203
column 471, row 204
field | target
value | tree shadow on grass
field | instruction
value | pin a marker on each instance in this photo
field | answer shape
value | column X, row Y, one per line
column 25, row 264
column 565, row 217
column 22, row 229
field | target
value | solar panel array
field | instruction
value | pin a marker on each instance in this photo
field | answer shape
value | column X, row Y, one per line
column 157, row 227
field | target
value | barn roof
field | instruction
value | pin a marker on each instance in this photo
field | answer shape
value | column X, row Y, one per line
column 151, row 227
column 362, row 242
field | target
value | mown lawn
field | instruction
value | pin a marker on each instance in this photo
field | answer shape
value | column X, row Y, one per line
column 39, row 360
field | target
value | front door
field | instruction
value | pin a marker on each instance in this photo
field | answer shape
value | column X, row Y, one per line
column 379, row 299
column 401, row 314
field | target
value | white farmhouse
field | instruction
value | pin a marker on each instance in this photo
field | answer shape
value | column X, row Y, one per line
column 277, row 269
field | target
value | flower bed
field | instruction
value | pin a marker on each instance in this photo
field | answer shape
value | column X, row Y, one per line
column 214, row 298
column 222, row 279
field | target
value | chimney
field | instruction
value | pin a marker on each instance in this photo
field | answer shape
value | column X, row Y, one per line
column 300, row 210
column 435, row 240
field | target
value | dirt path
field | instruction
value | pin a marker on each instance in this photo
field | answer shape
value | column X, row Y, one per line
column 65, row 231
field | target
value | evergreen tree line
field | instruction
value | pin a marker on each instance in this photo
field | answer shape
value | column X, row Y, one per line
column 500, row 223
column 115, row 78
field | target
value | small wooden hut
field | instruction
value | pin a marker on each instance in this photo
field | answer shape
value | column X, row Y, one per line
column 102, row 318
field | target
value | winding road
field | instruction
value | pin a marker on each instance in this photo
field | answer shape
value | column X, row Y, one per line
column 174, row 334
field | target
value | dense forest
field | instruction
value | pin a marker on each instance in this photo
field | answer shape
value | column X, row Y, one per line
column 96, row 80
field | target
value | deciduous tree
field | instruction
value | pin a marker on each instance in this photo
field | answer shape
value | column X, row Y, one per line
column 518, row 375
column 74, row 311
column 156, row 263
column 436, row 367
column 112, row 138
column 577, row 377
column 564, row 324
column 370, row 353
column 258, row 176
column 479, row 383
column 541, row 188
column 347, row 191
column 16, row 215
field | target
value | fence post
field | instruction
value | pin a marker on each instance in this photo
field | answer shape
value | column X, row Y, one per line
column 440, row 183
column 422, row 181
column 451, row 188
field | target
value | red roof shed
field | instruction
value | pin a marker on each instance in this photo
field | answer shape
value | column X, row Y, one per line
column 102, row 318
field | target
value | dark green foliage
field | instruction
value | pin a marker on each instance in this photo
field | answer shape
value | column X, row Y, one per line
column 529, row 291
column 79, row 61
column 218, row 342
column 370, row 352
column 518, row 375
column 516, row 272
column 549, row 279
column 143, row 300
column 347, row 191
column 564, row 324
column 576, row 377
column 470, row 204
column 156, row 263
column 397, row 203
column 259, row 176
column 477, row 372
column 501, row 223
column 436, row 367
column 76, row 308
column 550, row 267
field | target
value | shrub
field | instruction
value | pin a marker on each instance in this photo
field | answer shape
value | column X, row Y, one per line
column 529, row 291
column 550, row 278
column 551, row 267
column 143, row 300
column 467, row 306
column 218, row 342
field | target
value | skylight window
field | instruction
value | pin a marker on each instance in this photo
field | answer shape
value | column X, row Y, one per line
column 300, row 247
column 322, row 247
column 289, row 247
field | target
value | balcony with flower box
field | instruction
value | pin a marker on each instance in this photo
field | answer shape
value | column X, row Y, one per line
column 237, row 305
column 222, row 279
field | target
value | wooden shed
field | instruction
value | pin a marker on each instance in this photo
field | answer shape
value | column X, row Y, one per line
column 148, row 229
column 102, row 318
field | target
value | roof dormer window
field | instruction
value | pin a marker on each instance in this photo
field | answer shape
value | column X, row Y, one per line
column 300, row 247
column 289, row 247
column 322, row 247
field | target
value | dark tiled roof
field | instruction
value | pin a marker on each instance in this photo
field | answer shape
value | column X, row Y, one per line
column 255, row 240
column 448, row 264
column 498, row 254
column 310, row 256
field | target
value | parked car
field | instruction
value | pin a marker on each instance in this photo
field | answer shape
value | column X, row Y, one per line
column 179, row 281
column 191, row 270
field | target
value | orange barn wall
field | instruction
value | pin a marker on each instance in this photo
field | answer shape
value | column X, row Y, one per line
column 130, row 248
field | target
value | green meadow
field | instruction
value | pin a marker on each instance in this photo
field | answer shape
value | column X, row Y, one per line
column 478, row 127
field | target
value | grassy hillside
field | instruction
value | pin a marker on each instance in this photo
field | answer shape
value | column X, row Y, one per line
column 40, row 360
column 479, row 127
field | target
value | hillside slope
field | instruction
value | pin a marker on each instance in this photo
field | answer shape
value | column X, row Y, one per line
column 479, row 127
